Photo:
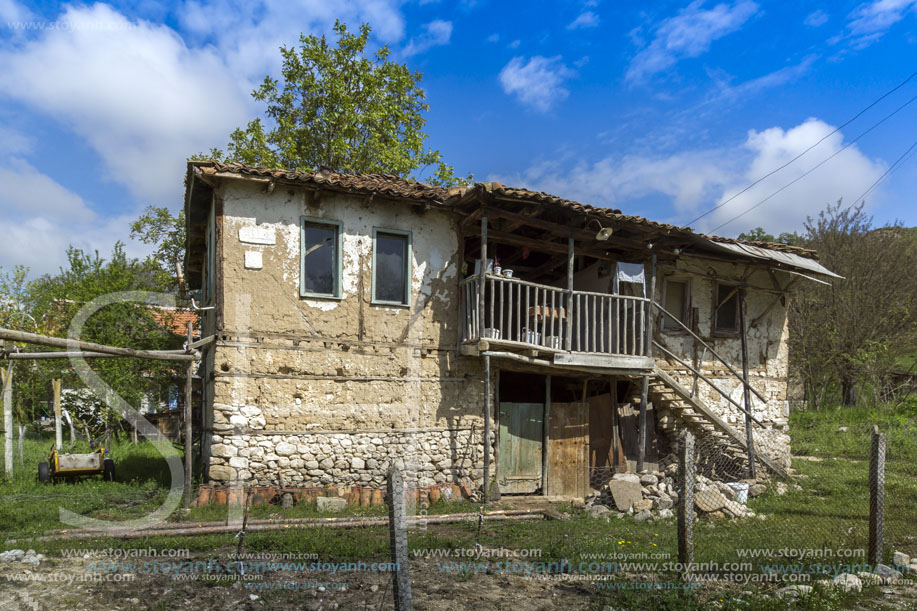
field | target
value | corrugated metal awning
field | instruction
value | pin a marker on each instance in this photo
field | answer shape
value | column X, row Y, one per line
column 785, row 258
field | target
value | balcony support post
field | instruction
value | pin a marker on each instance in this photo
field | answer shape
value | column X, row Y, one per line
column 481, row 276
column 647, row 347
column 568, row 340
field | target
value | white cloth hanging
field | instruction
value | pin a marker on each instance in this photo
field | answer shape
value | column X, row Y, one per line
column 629, row 272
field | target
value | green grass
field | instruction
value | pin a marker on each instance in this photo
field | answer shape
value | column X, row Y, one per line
column 830, row 511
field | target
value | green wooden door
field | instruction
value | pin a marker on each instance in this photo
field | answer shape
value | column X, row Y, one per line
column 521, row 432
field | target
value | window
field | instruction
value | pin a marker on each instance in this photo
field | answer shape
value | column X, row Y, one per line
column 726, row 309
column 391, row 267
column 675, row 300
column 320, row 258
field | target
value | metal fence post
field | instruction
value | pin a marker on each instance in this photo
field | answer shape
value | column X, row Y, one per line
column 686, row 501
column 398, row 537
column 876, row 495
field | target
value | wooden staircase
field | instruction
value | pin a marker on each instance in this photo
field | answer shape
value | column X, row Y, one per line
column 721, row 449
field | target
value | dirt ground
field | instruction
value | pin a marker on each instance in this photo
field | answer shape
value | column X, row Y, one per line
column 69, row 583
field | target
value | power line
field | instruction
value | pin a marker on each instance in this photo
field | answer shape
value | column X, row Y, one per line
column 818, row 165
column 837, row 129
column 898, row 163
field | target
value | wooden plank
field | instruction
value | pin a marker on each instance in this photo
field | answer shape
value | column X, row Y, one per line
column 609, row 361
column 601, row 432
column 567, row 450
column 520, row 444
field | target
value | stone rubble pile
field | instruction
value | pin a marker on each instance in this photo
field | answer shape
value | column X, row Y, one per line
column 653, row 495
column 18, row 555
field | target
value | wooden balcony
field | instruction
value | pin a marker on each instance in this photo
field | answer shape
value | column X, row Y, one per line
column 574, row 328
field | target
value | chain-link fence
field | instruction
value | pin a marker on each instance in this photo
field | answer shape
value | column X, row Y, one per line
column 826, row 519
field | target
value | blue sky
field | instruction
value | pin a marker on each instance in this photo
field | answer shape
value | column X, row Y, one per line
column 662, row 109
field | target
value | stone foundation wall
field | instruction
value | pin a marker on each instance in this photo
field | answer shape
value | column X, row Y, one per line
column 361, row 458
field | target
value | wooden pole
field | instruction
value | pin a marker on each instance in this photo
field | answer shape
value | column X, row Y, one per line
column 876, row 495
column 546, row 426
column 58, row 433
column 8, row 421
column 487, row 399
column 568, row 340
column 749, row 433
column 641, row 423
column 398, row 541
column 189, row 370
column 685, row 520
column 647, row 349
column 482, row 324
column 58, row 342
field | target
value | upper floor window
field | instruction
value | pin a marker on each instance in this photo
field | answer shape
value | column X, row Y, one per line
column 676, row 301
column 320, row 258
column 726, row 309
column 391, row 267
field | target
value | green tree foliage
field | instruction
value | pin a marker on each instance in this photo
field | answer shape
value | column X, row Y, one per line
column 55, row 300
column 166, row 233
column 849, row 335
column 339, row 108
column 758, row 234
column 14, row 299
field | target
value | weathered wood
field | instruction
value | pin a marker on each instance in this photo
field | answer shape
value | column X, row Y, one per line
column 697, row 338
column 685, row 520
column 7, row 380
column 39, row 356
column 520, row 458
column 546, row 435
column 568, row 340
column 188, row 441
column 58, row 342
column 398, row 541
column 648, row 311
column 876, row 495
column 58, row 433
column 715, row 420
column 567, row 450
column 482, row 278
column 487, row 399
column 641, row 423
column 749, row 433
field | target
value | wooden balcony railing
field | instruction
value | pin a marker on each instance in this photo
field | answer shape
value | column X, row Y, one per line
column 532, row 315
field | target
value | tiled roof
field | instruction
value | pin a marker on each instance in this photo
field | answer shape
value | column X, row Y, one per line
column 381, row 184
column 176, row 321
column 400, row 188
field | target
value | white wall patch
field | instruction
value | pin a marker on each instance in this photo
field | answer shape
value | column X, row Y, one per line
column 257, row 235
column 253, row 260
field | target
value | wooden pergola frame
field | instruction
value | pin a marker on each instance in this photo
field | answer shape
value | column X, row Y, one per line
column 188, row 355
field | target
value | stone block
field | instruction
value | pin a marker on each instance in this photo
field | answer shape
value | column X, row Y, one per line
column 625, row 493
column 330, row 504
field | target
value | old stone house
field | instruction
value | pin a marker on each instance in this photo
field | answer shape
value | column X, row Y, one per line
column 366, row 320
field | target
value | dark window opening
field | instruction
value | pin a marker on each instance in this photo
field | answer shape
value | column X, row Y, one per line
column 320, row 273
column 391, row 272
column 726, row 314
column 676, row 303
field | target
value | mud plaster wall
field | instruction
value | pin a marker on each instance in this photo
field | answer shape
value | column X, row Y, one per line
column 321, row 391
column 767, row 351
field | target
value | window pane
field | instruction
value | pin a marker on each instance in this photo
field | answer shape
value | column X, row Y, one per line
column 320, row 244
column 391, row 267
column 674, row 303
column 727, row 317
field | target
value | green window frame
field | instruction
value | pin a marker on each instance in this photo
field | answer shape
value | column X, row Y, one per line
column 336, row 256
column 407, row 236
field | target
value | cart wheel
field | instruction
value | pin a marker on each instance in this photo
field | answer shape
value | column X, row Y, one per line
column 108, row 470
column 44, row 472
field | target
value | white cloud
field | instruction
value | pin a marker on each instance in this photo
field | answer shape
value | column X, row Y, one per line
column 816, row 19
column 845, row 176
column 688, row 34
column 134, row 91
column 587, row 19
column 778, row 77
column 41, row 218
column 515, row 44
column 12, row 11
column 436, row 33
column 249, row 34
column 25, row 190
column 493, row 38
column 538, row 82
column 869, row 21
column 695, row 181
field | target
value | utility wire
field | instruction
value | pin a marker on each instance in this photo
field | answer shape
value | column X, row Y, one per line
column 818, row 165
column 839, row 128
column 898, row 163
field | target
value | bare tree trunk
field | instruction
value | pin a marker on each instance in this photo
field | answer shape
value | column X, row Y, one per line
column 848, row 391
